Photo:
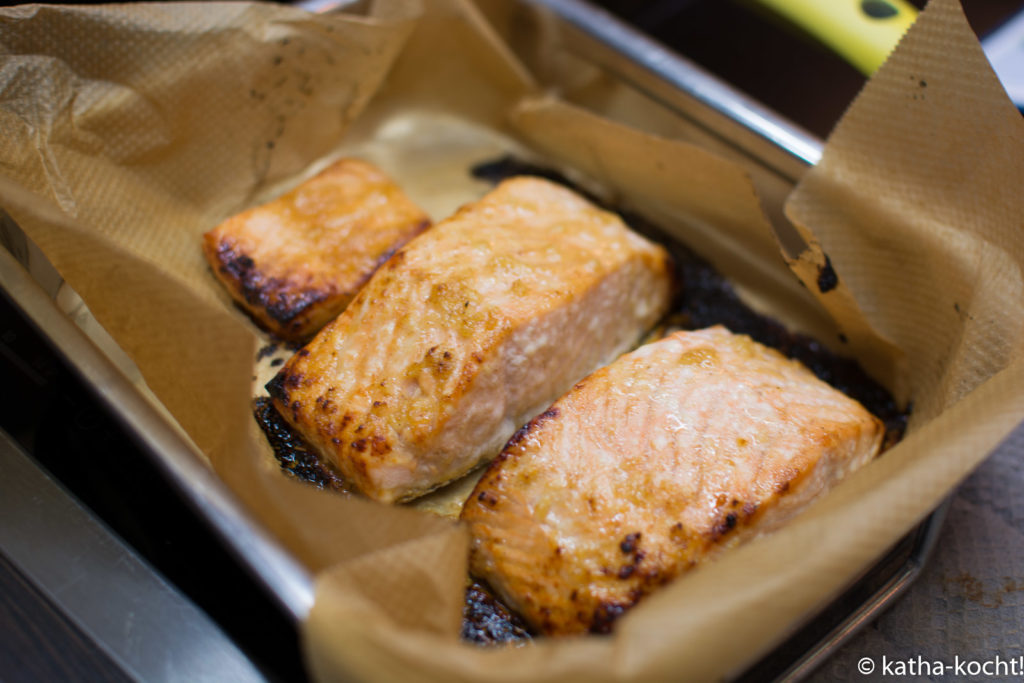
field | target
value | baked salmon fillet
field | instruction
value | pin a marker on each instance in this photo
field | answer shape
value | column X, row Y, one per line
column 467, row 332
column 294, row 263
column 651, row 465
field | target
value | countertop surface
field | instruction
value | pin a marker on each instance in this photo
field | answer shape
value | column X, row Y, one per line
column 968, row 603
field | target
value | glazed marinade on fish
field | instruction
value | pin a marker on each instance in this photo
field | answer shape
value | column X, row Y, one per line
column 467, row 332
column 653, row 464
column 296, row 262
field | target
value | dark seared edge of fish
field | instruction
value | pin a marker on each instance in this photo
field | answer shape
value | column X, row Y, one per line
column 706, row 298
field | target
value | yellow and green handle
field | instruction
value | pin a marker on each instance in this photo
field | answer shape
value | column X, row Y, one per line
column 862, row 32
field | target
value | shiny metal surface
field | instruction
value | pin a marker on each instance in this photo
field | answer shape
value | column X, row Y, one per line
column 285, row 578
column 686, row 89
column 150, row 630
column 1005, row 50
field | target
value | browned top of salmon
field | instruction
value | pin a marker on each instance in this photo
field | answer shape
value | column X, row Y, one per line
column 468, row 331
column 651, row 465
column 294, row 263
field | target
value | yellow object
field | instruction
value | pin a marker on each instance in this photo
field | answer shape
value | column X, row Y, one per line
column 862, row 32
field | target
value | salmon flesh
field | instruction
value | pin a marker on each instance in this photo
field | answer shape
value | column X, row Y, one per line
column 654, row 464
column 296, row 262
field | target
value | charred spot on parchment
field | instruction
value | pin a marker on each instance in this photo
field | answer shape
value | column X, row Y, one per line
column 292, row 452
column 266, row 351
column 486, row 621
column 827, row 278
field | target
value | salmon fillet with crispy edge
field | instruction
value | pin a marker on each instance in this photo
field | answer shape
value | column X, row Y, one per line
column 651, row 465
column 467, row 332
column 294, row 263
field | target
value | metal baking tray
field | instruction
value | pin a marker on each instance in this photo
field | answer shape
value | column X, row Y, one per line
column 775, row 152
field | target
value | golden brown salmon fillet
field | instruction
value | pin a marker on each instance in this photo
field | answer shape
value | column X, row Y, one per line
column 467, row 332
column 297, row 261
column 653, row 464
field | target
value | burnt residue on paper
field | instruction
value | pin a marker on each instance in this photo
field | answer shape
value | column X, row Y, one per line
column 486, row 621
column 499, row 169
column 266, row 351
column 292, row 452
column 827, row 278
column 706, row 298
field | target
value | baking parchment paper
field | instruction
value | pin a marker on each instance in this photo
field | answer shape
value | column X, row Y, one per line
column 127, row 131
